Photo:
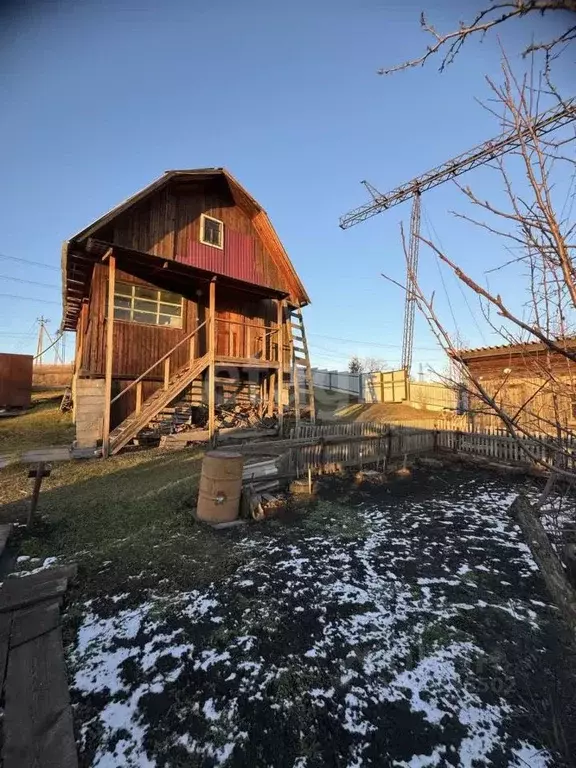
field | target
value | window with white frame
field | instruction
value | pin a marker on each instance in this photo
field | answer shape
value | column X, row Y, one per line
column 211, row 231
column 138, row 304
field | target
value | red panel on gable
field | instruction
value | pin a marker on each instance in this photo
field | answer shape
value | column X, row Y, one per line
column 237, row 259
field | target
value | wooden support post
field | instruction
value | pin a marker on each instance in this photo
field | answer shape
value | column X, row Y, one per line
column 166, row 373
column 109, row 356
column 138, row 397
column 271, row 393
column 40, row 473
column 78, row 357
column 280, row 381
column 263, row 394
column 211, row 359
column 192, row 348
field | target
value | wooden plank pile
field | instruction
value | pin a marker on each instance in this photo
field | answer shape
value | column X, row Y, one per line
column 232, row 422
column 261, row 483
column 37, row 723
column 226, row 416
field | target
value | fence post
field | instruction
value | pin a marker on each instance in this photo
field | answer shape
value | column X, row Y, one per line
column 457, row 440
column 389, row 445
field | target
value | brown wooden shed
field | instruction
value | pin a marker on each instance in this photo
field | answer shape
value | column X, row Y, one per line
column 531, row 382
column 15, row 380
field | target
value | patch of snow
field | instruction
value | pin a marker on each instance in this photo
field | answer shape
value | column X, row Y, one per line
column 526, row 755
column 422, row 761
column 210, row 711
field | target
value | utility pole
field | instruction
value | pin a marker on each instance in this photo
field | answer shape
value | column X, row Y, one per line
column 40, row 346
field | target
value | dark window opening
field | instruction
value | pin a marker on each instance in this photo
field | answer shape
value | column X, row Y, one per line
column 212, row 231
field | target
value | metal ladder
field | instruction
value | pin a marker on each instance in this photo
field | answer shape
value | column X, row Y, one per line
column 301, row 370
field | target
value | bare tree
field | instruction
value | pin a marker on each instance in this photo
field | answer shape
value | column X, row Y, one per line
column 366, row 364
column 536, row 225
column 447, row 45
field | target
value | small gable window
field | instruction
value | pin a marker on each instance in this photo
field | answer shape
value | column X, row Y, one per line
column 211, row 231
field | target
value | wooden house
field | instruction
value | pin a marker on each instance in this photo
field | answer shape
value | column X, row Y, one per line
column 531, row 383
column 183, row 290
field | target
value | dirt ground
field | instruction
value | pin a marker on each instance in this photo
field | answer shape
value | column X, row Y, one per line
column 338, row 406
column 392, row 413
column 402, row 624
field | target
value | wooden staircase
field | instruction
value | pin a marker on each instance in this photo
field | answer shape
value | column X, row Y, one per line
column 301, row 370
column 129, row 428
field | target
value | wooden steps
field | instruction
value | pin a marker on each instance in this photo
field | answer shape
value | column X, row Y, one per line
column 37, row 725
column 129, row 428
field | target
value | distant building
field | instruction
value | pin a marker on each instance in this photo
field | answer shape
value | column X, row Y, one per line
column 526, row 379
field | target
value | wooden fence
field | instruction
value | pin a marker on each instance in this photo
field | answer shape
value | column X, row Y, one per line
column 343, row 429
column 337, row 446
column 330, row 446
column 536, row 449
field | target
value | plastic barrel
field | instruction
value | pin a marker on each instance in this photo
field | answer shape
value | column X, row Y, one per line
column 220, row 486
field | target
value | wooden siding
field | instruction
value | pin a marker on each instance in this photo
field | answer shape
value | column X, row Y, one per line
column 241, row 331
column 168, row 224
column 126, row 405
column 149, row 226
column 530, row 364
column 136, row 345
column 538, row 386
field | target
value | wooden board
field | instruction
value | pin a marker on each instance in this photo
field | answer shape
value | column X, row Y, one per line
column 38, row 729
column 5, row 531
column 30, row 623
column 21, row 592
column 5, row 627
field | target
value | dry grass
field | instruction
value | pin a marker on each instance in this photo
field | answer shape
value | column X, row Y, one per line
column 393, row 413
column 115, row 509
column 43, row 425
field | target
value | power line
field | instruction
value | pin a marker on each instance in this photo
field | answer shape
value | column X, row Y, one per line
column 39, row 354
column 370, row 343
column 27, row 298
column 29, row 282
column 432, row 229
column 29, row 261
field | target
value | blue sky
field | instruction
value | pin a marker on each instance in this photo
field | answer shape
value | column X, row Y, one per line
column 99, row 98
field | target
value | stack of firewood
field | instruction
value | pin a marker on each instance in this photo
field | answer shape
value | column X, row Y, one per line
column 227, row 416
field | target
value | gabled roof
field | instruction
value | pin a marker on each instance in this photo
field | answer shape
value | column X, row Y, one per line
column 82, row 267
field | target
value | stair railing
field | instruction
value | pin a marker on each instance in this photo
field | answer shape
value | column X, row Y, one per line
column 164, row 359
